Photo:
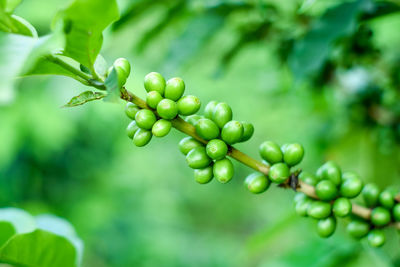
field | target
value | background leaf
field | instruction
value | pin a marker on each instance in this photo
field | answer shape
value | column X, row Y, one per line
column 9, row 5
column 7, row 230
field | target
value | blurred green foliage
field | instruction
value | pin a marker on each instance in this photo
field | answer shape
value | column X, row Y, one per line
column 321, row 73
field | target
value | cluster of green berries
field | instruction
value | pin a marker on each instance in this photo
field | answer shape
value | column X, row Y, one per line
column 219, row 131
column 165, row 101
column 280, row 160
column 334, row 190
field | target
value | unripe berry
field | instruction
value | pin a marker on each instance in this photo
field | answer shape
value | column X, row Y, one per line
column 123, row 64
column 326, row 227
column 302, row 206
column 161, row 128
column 188, row 105
column 386, row 199
column 142, row 137
column 204, row 176
column 271, row 152
column 257, row 183
column 223, row 170
column 330, row 171
column 232, row 132
column 308, row 178
column 207, row 129
column 174, row 89
column 222, row 114
column 193, row 119
column 376, row 238
column 293, row 154
column 154, row 81
column 131, row 129
column 216, row 149
column 167, row 109
column 131, row 110
column 145, row 119
column 351, row 185
column 326, row 190
column 248, row 131
column 358, row 229
column 342, row 207
column 187, row 144
column 121, row 76
column 370, row 194
column 396, row 212
column 319, row 210
column 197, row 158
column 279, row 172
column 153, row 98
column 209, row 109
column 380, row 216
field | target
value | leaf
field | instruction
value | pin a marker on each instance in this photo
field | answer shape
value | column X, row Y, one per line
column 14, row 24
column 7, row 230
column 9, row 5
column 14, row 50
column 310, row 53
column 63, row 228
column 39, row 249
column 112, row 87
column 22, row 221
column 84, row 22
column 84, row 98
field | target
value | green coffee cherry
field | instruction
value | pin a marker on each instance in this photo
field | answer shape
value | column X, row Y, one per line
column 342, row 207
column 153, row 98
column 308, row 178
column 302, row 206
column 279, row 172
column 123, row 64
column 131, row 110
column 232, row 132
column 330, row 171
column 386, row 199
column 358, row 229
column 207, row 129
column 187, row 144
column 209, row 109
column 188, row 105
column 197, row 158
column 248, row 131
column 351, row 185
column 319, row 210
column 161, row 128
column 121, row 77
column 193, row 119
column 203, row 176
column 142, row 137
column 257, row 183
column 396, row 212
column 271, row 152
column 145, row 119
column 293, row 154
column 223, row 170
column 326, row 227
column 299, row 196
column 131, row 129
column 167, row 109
column 154, row 81
column 174, row 89
column 216, row 149
column 222, row 114
column 370, row 194
column 376, row 238
column 380, row 216
column 326, row 190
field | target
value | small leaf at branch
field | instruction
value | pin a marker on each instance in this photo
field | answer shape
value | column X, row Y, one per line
column 112, row 87
column 84, row 98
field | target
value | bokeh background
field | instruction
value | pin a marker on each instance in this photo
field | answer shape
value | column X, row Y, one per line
column 322, row 73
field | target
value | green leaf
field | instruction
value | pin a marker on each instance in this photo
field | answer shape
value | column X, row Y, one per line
column 39, row 249
column 22, row 221
column 9, row 5
column 84, row 98
column 84, row 22
column 7, row 230
column 14, row 24
column 112, row 87
column 310, row 53
column 14, row 50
